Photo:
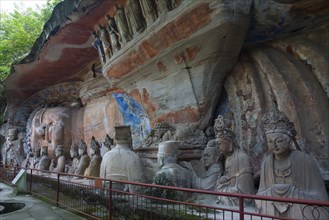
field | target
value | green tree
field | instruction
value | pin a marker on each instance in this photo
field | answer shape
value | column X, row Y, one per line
column 18, row 32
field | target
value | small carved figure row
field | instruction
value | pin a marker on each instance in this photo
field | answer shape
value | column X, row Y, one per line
column 80, row 164
column 126, row 23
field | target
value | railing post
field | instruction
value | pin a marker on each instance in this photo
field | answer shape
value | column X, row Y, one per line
column 57, row 194
column 110, row 200
column 241, row 208
column 31, row 181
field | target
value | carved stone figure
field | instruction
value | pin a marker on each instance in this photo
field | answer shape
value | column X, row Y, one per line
column 214, row 169
column 97, row 44
column 135, row 17
column 113, row 32
column 238, row 174
column 95, row 162
column 169, row 169
column 45, row 161
column 161, row 132
column 190, row 136
column 106, row 43
column 58, row 164
column 165, row 5
column 74, row 153
column 121, row 21
column 52, row 127
column 288, row 173
column 35, row 160
column 84, row 159
column 121, row 163
column 107, row 145
column 149, row 10
column 13, row 152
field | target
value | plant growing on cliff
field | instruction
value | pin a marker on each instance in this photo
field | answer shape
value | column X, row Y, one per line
column 18, row 31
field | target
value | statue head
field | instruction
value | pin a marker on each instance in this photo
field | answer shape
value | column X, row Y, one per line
column 211, row 154
column 94, row 147
column 74, row 151
column 12, row 134
column 225, row 137
column 280, row 133
column 167, row 152
column 59, row 150
column 82, row 148
column 108, row 142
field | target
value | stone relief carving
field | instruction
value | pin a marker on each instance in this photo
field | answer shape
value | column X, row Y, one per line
column 113, row 32
column 52, row 127
column 121, row 163
column 134, row 17
column 13, row 151
column 121, row 21
column 58, row 164
column 45, row 161
column 149, row 11
column 287, row 172
column 107, row 145
column 214, row 169
column 95, row 162
column 161, row 132
column 74, row 153
column 97, row 44
column 170, row 172
column 238, row 174
column 84, row 159
column 188, row 135
column 105, row 42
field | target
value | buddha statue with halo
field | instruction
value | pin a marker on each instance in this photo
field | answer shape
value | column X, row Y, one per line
column 288, row 173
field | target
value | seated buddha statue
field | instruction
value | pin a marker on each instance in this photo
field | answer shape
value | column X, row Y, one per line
column 288, row 173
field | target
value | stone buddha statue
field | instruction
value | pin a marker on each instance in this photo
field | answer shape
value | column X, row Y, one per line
column 121, row 163
column 45, row 161
column 288, row 173
column 84, row 159
column 74, row 153
column 35, row 160
column 96, row 159
column 58, row 164
column 238, row 173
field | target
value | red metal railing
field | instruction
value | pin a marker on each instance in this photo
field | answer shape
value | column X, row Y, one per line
column 106, row 199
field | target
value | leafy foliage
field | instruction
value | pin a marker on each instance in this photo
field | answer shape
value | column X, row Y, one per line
column 18, row 32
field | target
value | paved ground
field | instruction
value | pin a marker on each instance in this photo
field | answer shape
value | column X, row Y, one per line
column 34, row 208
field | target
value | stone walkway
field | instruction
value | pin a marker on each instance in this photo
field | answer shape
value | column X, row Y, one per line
column 34, row 208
